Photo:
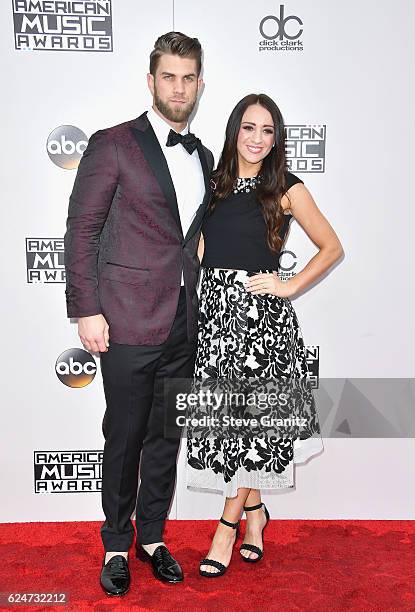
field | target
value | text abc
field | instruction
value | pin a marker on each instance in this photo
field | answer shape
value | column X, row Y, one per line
column 76, row 367
column 66, row 146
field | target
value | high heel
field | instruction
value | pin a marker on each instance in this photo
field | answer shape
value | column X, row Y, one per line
column 252, row 547
column 217, row 564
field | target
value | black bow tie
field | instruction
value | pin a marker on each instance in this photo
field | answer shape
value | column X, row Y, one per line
column 189, row 141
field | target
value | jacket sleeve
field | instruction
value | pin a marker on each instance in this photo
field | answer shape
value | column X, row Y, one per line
column 89, row 203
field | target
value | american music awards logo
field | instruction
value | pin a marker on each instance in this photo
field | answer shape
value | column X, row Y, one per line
column 52, row 25
column 281, row 32
column 70, row 471
column 45, row 260
column 305, row 147
column 312, row 352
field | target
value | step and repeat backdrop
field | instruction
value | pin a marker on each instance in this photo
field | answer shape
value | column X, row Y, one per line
column 340, row 75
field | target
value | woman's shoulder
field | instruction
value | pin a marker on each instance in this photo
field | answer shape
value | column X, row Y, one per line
column 292, row 179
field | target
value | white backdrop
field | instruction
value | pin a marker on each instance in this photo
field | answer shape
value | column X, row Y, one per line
column 352, row 76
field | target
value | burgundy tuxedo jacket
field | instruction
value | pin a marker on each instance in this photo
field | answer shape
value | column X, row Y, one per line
column 124, row 246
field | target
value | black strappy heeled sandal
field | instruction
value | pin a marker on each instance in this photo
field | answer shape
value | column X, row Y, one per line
column 252, row 547
column 217, row 564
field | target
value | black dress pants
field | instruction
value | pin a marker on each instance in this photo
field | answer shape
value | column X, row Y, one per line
column 134, row 423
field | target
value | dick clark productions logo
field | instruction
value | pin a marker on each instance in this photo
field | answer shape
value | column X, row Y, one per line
column 76, row 368
column 281, row 33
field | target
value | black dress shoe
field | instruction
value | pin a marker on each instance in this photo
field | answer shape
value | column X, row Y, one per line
column 165, row 567
column 115, row 575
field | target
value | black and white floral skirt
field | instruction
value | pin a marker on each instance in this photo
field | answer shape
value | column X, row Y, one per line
column 245, row 337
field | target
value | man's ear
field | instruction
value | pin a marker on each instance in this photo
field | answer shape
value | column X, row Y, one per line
column 200, row 84
column 150, row 83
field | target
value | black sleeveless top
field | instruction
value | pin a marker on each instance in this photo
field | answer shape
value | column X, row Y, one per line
column 235, row 233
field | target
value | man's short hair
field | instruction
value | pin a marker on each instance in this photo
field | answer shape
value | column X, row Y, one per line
column 176, row 43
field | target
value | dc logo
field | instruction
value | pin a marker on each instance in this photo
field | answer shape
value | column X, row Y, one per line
column 287, row 261
column 272, row 27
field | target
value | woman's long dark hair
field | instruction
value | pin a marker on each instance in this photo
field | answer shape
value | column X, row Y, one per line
column 272, row 186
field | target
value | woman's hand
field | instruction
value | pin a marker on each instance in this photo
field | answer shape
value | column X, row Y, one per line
column 269, row 283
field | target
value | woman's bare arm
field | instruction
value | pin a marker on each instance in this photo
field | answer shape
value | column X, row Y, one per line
column 201, row 248
column 305, row 211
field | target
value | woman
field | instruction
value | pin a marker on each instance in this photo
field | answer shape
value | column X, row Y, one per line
column 248, row 328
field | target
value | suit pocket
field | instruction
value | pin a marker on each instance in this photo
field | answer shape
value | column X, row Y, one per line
column 125, row 274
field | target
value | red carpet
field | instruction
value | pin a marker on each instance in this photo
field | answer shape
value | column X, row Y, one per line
column 308, row 565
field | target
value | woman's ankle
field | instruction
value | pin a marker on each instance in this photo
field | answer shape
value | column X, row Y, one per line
column 225, row 532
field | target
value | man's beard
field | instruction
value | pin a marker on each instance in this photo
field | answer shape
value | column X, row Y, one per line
column 177, row 115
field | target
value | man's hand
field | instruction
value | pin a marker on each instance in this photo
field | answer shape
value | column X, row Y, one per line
column 94, row 333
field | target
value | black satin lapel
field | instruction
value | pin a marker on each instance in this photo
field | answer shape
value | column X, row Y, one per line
column 197, row 220
column 151, row 149
column 203, row 161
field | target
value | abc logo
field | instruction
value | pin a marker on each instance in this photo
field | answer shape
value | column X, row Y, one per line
column 66, row 145
column 75, row 368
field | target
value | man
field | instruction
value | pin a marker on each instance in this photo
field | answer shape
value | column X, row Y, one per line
column 131, row 260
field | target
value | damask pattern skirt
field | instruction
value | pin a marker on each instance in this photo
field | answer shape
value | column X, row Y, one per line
column 248, row 337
